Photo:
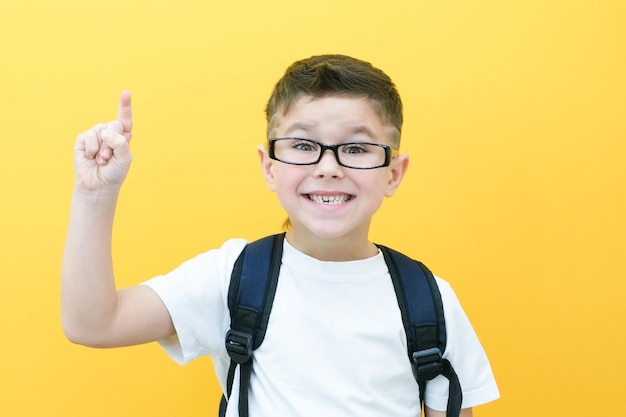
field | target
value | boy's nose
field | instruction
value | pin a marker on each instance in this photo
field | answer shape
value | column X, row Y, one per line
column 328, row 165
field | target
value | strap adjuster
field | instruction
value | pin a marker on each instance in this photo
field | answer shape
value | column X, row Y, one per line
column 427, row 364
column 239, row 346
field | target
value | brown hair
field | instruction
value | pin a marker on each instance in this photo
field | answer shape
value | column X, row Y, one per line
column 324, row 75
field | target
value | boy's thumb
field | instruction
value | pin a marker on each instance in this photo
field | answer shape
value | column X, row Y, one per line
column 118, row 143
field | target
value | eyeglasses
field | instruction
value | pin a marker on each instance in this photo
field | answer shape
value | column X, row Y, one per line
column 357, row 155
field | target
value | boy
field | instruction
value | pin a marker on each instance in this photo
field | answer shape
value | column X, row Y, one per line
column 334, row 125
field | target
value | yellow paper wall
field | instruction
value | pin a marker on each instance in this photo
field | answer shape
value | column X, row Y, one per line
column 516, row 194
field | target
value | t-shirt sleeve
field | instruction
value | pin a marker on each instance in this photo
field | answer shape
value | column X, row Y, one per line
column 467, row 357
column 195, row 295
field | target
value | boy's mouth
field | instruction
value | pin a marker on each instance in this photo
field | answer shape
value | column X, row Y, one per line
column 330, row 199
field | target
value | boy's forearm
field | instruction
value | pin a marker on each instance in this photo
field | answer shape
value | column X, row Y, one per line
column 88, row 293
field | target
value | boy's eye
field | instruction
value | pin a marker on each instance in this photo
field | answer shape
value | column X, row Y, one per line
column 305, row 146
column 354, row 148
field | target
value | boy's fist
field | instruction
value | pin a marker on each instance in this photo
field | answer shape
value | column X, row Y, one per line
column 102, row 154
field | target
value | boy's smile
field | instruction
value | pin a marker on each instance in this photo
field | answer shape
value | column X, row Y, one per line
column 329, row 198
column 330, row 205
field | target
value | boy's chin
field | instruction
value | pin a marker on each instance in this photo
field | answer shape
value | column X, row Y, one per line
column 327, row 231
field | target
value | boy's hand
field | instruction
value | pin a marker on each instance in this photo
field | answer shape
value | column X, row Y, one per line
column 102, row 154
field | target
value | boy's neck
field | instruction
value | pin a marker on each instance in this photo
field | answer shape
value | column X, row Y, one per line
column 345, row 248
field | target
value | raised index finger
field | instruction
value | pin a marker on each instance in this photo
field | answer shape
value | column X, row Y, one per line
column 125, row 114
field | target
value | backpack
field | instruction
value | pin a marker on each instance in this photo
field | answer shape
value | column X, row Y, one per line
column 251, row 293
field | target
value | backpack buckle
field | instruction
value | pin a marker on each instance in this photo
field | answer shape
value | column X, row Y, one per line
column 427, row 364
column 239, row 346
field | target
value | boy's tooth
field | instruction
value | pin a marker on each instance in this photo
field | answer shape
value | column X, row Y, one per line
column 328, row 199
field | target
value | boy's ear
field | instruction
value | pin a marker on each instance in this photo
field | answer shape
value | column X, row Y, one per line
column 267, row 166
column 397, row 169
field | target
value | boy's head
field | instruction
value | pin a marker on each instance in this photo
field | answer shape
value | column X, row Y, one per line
column 336, row 75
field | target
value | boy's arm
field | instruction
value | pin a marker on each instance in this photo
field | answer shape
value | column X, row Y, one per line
column 466, row 412
column 93, row 311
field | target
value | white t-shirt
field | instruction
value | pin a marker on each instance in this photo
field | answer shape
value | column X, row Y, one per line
column 335, row 343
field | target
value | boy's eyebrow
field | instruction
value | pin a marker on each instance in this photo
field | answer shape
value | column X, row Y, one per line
column 365, row 130
column 299, row 126
column 358, row 129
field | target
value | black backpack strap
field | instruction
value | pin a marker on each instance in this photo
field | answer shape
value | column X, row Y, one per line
column 250, row 296
column 424, row 324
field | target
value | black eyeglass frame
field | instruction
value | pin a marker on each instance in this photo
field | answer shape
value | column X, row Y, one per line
column 389, row 152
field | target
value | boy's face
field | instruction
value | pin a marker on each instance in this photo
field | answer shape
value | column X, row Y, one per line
column 327, row 200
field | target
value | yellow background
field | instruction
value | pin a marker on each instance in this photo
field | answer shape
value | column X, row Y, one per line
column 516, row 194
